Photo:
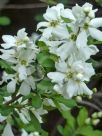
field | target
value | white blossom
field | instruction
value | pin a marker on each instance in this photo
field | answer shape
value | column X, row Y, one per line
column 70, row 76
column 54, row 23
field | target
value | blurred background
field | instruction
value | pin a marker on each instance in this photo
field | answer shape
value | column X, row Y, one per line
column 17, row 14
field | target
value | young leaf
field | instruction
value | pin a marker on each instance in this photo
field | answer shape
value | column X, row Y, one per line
column 83, row 115
column 36, row 101
column 44, row 86
column 70, row 103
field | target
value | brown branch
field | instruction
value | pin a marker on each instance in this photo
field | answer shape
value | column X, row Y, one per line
column 28, row 6
column 13, row 99
column 24, row 6
column 90, row 105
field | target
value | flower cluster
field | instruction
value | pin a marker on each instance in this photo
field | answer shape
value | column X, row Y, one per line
column 20, row 52
column 47, row 71
column 66, row 33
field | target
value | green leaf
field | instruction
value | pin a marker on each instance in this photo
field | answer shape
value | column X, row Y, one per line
column 5, row 110
column 45, row 60
column 70, row 119
column 36, row 101
column 5, row 65
column 44, row 86
column 68, row 102
column 66, row 20
column 83, row 115
column 4, row 21
column 88, row 131
column 60, row 129
column 42, row 46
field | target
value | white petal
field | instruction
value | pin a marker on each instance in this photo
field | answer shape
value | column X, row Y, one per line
column 8, row 131
column 24, row 133
column 51, row 14
column 70, row 90
column 84, row 53
column 81, row 39
column 96, row 22
column 61, row 32
column 23, row 118
column 88, row 71
column 58, row 88
column 96, row 34
column 24, row 89
column 38, row 116
column 21, row 33
column 8, row 39
column 47, row 32
column 26, row 114
column 11, row 86
column 22, row 72
column 61, row 66
column 7, row 45
column 64, row 51
column 67, row 13
column 84, row 89
column 30, row 80
column 42, row 24
column 56, row 77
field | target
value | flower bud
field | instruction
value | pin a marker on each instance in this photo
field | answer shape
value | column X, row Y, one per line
column 36, row 134
column 91, row 14
column 86, row 9
column 95, row 115
column 88, row 121
column 79, row 76
column 94, row 90
column 95, row 121
column 99, row 114
column 78, row 98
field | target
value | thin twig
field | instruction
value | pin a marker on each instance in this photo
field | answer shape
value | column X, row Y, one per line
column 98, row 94
column 24, row 6
column 13, row 99
column 28, row 6
column 90, row 105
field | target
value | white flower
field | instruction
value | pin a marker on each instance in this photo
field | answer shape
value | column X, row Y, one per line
column 54, row 23
column 88, row 9
column 70, row 77
column 15, row 41
column 76, row 44
column 7, row 130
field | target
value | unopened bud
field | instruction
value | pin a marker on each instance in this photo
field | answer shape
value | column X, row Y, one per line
column 94, row 90
column 78, row 98
column 79, row 76
column 91, row 14
column 88, row 121
column 86, row 9
column 95, row 115
column 95, row 122
column 36, row 134
column 90, row 96
column 99, row 114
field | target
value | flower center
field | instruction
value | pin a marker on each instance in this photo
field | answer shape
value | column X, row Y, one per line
column 22, row 41
column 73, row 37
column 54, row 23
column 23, row 62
